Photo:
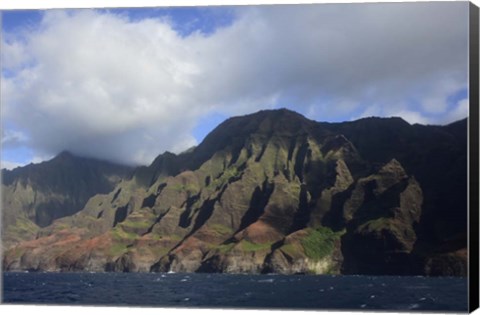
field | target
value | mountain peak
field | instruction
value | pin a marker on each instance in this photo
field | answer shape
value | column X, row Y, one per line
column 63, row 157
column 64, row 154
column 235, row 131
column 389, row 120
column 280, row 113
column 264, row 121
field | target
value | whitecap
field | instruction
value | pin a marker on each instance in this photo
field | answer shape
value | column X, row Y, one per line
column 267, row 280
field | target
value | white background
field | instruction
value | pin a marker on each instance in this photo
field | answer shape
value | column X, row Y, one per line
column 71, row 310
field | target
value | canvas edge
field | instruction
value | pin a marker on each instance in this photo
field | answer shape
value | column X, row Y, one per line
column 473, row 250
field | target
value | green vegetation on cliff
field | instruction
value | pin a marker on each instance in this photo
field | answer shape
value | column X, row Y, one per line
column 320, row 242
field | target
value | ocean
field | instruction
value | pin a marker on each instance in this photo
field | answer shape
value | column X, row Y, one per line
column 290, row 292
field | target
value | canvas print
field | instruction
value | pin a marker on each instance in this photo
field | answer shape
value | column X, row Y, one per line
column 264, row 156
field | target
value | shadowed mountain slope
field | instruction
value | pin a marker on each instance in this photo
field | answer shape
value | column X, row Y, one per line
column 37, row 194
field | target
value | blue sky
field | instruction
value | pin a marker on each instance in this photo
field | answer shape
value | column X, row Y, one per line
column 185, row 19
column 128, row 84
column 15, row 19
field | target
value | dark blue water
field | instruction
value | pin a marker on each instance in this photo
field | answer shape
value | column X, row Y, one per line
column 237, row 291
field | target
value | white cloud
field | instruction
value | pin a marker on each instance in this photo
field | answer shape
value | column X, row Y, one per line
column 9, row 165
column 14, row 54
column 460, row 111
column 101, row 85
column 13, row 137
column 436, row 102
column 412, row 117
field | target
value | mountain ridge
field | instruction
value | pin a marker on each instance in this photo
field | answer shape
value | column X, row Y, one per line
column 276, row 192
column 37, row 194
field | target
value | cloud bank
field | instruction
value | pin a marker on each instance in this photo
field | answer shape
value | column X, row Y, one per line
column 103, row 85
